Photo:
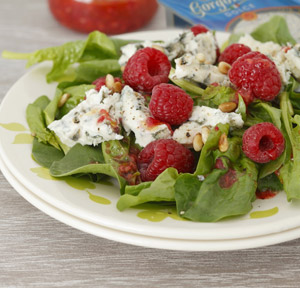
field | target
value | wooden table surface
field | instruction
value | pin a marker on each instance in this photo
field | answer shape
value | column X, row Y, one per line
column 38, row 251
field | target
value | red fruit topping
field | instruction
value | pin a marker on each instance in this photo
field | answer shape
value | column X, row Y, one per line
column 246, row 94
column 161, row 154
column 267, row 194
column 233, row 52
column 102, row 80
column 263, row 142
column 146, row 68
column 151, row 123
column 170, row 104
column 228, row 179
column 199, row 29
column 219, row 164
column 256, row 72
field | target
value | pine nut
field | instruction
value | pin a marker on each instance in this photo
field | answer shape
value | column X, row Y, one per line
column 117, row 87
column 224, row 67
column 223, row 143
column 122, row 68
column 227, row 107
column 197, row 142
column 158, row 47
column 63, row 99
column 200, row 57
column 109, row 81
column 205, row 133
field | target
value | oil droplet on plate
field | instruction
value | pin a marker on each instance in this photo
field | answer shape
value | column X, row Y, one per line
column 13, row 126
column 43, row 172
column 79, row 183
column 264, row 213
column 99, row 199
column 23, row 138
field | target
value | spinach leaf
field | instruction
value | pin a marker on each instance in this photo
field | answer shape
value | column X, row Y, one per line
column 206, row 160
column 36, row 122
column 266, row 112
column 233, row 152
column 82, row 160
column 209, row 200
column 270, row 182
column 89, row 71
column 162, row 189
column 277, row 31
column 45, row 154
column 77, row 94
column 295, row 95
column 51, row 110
column 186, row 85
column 96, row 46
column 242, row 108
column 290, row 171
column 117, row 154
column 213, row 96
column 233, row 38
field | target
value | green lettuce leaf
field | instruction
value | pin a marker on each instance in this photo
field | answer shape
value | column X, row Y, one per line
column 117, row 154
column 162, row 189
column 270, row 182
column 84, row 160
column 265, row 112
column 186, row 85
column 209, row 200
column 97, row 46
column 213, row 96
column 89, row 71
column 290, row 171
column 36, row 121
column 77, row 94
column 45, row 154
column 206, row 160
column 276, row 30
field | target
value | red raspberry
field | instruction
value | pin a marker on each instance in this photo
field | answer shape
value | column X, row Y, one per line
column 233, row 52
column 170, row 104
column 199, row 29
column 246, row 94
column 263, row 142
column 101, row 82
column 161, row 154
column 254, row 71
column 146, row 68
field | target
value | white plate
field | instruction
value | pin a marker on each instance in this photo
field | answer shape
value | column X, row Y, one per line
column 146, row 241
column 78, row 203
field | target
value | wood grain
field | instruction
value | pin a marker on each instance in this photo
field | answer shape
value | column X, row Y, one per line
column 38, row 251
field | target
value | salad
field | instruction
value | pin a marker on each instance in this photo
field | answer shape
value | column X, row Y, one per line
column 182, row 122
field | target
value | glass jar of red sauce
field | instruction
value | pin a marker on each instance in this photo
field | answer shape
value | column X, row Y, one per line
column 107, row 16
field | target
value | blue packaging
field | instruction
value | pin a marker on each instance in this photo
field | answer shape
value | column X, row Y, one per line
column 232, row 15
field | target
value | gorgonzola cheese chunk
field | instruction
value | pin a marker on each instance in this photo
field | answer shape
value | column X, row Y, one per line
column 91, row 122
column 203, row 116
column 189, row 67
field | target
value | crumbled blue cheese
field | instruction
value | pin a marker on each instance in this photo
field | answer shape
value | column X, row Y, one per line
column 134, row 118
column 203, row 116
column 187, row 42
column 204, row 43
column 268, row 48
column 81, row 124
column 293, row 60
column 189, row 67
column 273, row 51
column 129, row 49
